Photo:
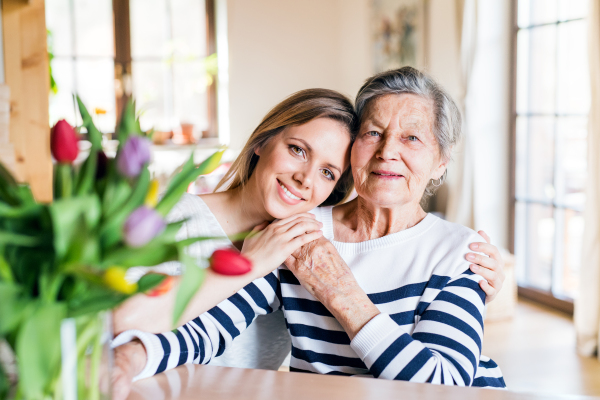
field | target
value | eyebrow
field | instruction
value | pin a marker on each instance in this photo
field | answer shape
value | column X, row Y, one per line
column 310, row 150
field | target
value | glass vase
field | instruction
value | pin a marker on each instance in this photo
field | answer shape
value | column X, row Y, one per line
column 86, row 358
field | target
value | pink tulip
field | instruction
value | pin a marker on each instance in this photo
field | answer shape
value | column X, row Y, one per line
column 133, row 156
column 142, row 225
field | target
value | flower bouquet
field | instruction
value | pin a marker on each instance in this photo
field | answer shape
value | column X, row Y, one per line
column 62, row 265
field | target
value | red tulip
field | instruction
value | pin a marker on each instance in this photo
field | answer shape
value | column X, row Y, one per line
column 63, row 142
column 162, row 288
column 229, row 262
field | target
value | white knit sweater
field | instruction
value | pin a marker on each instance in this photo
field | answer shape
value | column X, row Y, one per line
column 430, row 328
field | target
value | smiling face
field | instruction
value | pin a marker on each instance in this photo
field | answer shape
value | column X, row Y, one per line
column 299, row 168
column 395, row 153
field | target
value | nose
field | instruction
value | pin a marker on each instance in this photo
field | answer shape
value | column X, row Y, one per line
column 304, row 176
column 389, row 150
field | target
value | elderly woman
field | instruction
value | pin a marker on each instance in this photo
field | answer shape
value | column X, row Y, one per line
column 387, row 291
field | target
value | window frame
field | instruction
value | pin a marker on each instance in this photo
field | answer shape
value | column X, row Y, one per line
column 548, row 298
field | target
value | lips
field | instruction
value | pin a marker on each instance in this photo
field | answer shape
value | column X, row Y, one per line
column 289, row 195
column 387, row 174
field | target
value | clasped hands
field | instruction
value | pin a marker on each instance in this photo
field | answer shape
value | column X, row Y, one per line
column 325, row 275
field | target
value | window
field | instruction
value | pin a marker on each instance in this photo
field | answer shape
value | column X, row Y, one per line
column 552, row 103
column 160, row 53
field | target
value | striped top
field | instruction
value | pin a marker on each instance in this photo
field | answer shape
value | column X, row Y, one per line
column 430, row 328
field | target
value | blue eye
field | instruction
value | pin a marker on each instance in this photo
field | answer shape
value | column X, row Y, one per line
column 373, row 133
column 413, row 138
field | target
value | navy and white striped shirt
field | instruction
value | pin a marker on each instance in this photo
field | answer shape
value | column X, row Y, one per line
column 430, row 328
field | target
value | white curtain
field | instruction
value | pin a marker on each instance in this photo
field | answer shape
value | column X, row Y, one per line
column 460, row 208
column 587, row 304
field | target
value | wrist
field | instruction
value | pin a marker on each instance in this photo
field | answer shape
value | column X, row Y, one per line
column 353, row 311
column 136, row 354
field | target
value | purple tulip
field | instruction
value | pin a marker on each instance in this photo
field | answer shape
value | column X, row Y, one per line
column 133, row 156
column 143, row 225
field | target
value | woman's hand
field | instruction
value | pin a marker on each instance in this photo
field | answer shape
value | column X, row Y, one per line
column 491, row 267
column 325, row 275
column 269, row 245
column 129, row 361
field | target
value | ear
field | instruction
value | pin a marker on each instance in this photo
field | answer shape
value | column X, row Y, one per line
column 438, row 172
column 257, row 150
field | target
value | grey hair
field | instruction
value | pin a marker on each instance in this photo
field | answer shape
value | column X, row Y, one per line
column 447, row 119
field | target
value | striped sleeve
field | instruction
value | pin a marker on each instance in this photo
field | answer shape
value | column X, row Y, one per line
column 208, row 335
column 445, row 345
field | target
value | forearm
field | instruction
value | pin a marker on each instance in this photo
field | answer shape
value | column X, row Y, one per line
column 353, row 310
column 444, row 346
column 154, row 314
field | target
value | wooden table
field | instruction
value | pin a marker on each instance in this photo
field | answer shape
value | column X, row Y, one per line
column 215, row 383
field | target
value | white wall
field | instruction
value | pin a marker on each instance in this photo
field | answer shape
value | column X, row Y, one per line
column 277, row 47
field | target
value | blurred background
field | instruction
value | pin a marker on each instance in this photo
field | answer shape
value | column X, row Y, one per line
column 205, row 72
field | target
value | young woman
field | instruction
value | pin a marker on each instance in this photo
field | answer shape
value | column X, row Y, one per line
column 295, row 160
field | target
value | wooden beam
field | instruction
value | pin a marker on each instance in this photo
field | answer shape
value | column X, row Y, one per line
column 27, row 75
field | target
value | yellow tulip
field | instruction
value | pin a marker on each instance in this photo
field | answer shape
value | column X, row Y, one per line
column 152, row 195
column 114, row 277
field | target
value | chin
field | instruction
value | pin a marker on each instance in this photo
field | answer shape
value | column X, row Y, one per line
column 281, row 211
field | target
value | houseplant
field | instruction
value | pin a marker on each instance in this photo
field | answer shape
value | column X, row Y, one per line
column 62, row 265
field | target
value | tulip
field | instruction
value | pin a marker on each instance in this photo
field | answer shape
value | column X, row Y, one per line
column 142, row 225
column 229, row 262
column 162, row 288
column 152, row 194
column 133, row 156
column 114, row 277
column 63, row 142
column 102, row 166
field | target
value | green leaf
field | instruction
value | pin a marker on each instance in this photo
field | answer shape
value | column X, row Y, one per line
column 13, row 307
column 25, row 194
column 146, row 256
column 186, row 168
column 18, row 239
column 85, row 246
column 112, row 227
column 65, row 216
column 99, row 300
column 38, row 349
column 26, row 211
column 87, row 174
column 63, row 180
column 93, row 132
column 149, row 281
column 6, row 274
column 129, row 124
column 183, row 180
column 192, row 279
column 115, row 196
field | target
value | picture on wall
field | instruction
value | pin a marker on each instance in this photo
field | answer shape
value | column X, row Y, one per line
column 398, row 33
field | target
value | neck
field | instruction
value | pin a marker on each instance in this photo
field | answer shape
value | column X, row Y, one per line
column 242, row 209
column 369, row 221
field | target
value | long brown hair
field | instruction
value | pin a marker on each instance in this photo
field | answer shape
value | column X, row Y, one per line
column 300, row 108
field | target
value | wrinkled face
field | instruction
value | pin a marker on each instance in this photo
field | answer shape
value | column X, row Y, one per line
column 298, row 169
column 395, row 153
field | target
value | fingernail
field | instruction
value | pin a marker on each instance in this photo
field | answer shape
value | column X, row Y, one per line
column 474, row 267
column 474, row 246
column 471, row 256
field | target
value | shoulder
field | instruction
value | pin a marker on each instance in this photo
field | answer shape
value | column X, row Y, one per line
column 189, row 206
column 450, row 242
column 454, row 234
